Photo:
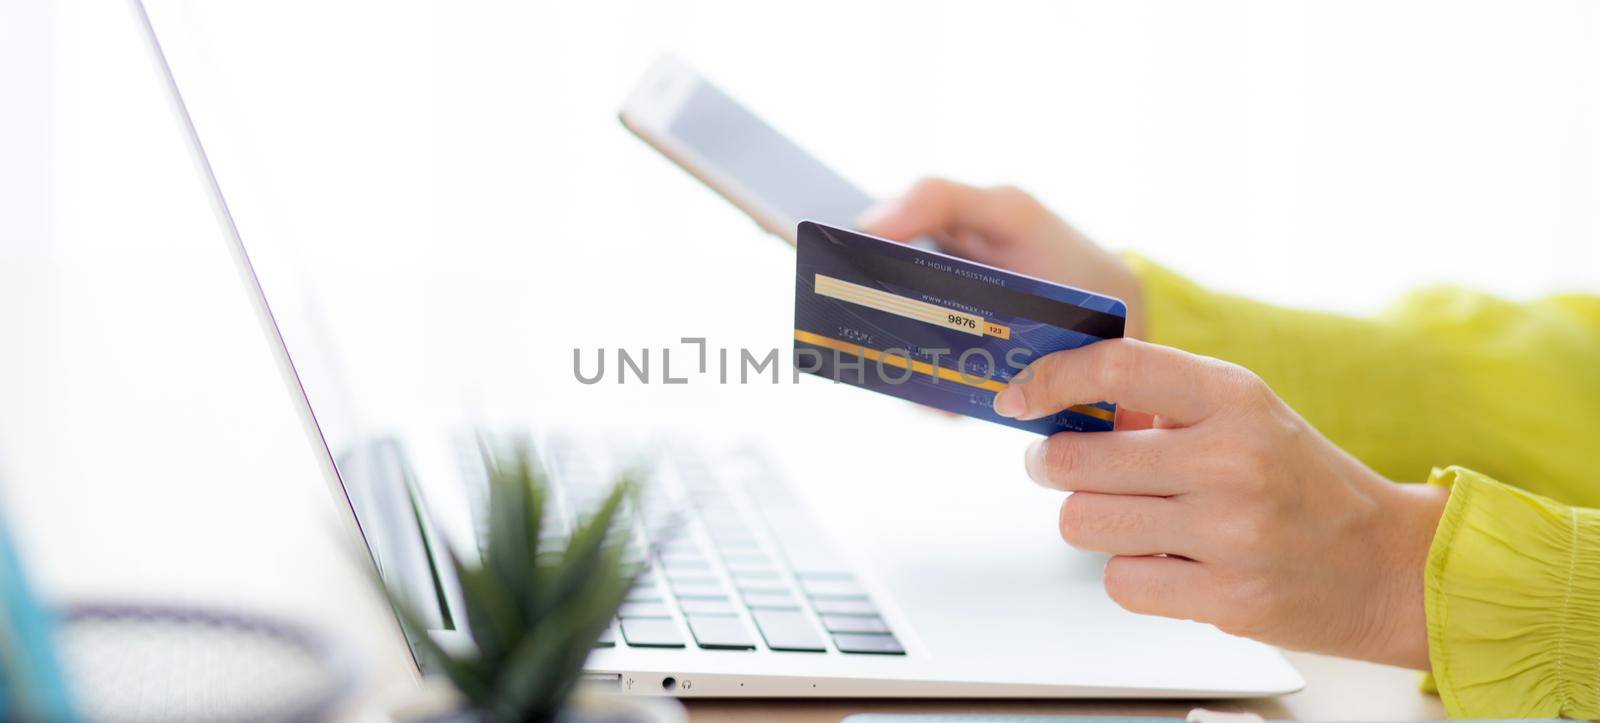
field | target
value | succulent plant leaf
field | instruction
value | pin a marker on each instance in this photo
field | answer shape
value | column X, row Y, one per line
column 586, row 548
column 512, row 544
column 493, row 614
column 549, row 663
column 534, row 614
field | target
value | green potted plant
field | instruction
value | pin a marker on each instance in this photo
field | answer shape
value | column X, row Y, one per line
column 536, row 608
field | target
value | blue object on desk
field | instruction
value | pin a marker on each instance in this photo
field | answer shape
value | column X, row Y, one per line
column 31, row 684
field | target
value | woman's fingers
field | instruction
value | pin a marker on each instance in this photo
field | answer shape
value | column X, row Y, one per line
column 1128, row 419
column 935, row 206
column 1167, row 586
column 1142, row 462
column 1126, row 525
column 1180, row 387
column 927, row 208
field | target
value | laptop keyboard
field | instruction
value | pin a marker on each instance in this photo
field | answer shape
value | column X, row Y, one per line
column 733, row 562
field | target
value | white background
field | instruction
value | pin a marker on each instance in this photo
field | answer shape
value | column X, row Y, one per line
column 454, row 176
column 461, row 170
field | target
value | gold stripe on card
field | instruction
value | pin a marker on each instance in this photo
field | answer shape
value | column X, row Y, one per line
column 924, row 368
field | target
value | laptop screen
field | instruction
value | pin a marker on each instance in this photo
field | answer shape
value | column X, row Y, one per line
column 362, row 466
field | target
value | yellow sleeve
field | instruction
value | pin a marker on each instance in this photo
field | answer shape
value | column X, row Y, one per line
column 1445, row 376
column 1513, row 599
column 1510, row 389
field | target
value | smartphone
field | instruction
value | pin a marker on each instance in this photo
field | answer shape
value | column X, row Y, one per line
column 738, row 155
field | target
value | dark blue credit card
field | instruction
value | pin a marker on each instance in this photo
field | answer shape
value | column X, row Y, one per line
column 935, row 329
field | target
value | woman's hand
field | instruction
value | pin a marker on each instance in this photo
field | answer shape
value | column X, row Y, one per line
column 1006, row 227
column 1230, row 509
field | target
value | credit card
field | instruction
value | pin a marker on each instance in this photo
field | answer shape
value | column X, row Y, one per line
column 935, row 329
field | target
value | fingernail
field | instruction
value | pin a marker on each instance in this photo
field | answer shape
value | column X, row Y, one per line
column 1033, row 460
column 1009, row 402
column 880, row 212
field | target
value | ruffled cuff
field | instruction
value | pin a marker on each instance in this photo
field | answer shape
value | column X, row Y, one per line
column 1513, row 602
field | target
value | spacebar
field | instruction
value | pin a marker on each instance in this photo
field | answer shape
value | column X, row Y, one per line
column 788, row 630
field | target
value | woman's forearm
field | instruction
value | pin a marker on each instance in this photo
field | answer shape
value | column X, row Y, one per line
column 1446, row 376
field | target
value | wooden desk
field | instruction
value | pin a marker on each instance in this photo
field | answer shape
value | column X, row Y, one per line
column 1335, row 690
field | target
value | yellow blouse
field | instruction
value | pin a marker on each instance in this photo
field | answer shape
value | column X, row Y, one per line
column 1460, row 389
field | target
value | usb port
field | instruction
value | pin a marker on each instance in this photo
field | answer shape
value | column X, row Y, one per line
column 608, row 681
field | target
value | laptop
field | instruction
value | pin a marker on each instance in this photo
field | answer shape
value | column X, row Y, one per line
column 918, row 586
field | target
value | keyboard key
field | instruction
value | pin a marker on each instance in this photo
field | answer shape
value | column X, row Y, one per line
column 868, row 644
column 705, row 587
column 671, row 556
column 651, row 633
column 854, row 624
column 608, row 639
column 689, row 576
column 832, row 588
column 686, row 566
column 771, row 600
column 747, row 561
column 721, row 632
column 754, row 577
column 844, row 606
column 816, row 565
column 714, row 606
column 824, row 575
column 643, row 595
column 768, row 585
column 643, row 610
column 788, row 630
column 680, row 545
column 683, row 578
